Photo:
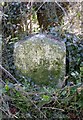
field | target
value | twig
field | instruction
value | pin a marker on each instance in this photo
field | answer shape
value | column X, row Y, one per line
column 27, row 95
column 40, row 7
column 71, row 19
column 2, row 81
column 65, row 78
column 61, row 8
column 8, row 73
column 4, row 111
column 53, row 108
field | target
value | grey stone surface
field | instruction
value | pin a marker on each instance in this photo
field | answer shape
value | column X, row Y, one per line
column 42, row 58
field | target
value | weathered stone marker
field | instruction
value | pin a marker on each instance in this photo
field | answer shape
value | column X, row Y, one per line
column 42, row 58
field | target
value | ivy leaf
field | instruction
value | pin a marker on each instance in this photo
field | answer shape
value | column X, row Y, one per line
column 46, row 98
column 6, row 87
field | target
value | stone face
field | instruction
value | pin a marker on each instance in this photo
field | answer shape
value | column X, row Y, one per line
column 42, row 59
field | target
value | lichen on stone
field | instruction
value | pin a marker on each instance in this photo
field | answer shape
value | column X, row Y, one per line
column 42, row 59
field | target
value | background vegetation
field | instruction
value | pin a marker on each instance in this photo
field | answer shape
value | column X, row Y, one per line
column 21, row 98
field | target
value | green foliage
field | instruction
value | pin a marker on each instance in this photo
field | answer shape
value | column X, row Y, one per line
column 55, row 104
column 45, row 98
column 74, row 55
